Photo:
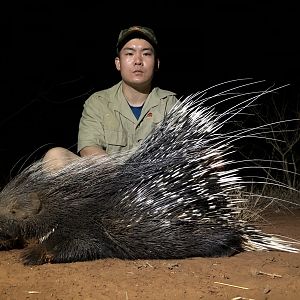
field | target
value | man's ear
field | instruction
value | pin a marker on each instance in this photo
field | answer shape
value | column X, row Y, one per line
column 117, row 63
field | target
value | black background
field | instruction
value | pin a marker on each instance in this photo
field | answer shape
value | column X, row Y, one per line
column 54, row 55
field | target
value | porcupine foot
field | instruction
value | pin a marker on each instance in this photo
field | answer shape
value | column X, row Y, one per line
column 36, row 255
column 63, row 250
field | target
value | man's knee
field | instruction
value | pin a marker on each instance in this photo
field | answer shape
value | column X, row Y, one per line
column 58, row 157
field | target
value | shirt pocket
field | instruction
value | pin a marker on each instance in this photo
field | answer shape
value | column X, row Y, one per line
column 116, row 141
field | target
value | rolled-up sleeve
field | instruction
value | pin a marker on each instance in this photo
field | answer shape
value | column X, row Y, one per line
column 91, row 131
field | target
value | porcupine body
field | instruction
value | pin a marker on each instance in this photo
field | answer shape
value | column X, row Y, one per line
column 172, row 197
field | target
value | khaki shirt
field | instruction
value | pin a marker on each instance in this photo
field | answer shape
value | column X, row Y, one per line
column 108, row 121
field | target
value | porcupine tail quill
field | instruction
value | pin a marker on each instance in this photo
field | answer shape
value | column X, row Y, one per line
column 256, row 240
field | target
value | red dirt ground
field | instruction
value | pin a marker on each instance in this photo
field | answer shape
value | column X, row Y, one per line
column 248, row 275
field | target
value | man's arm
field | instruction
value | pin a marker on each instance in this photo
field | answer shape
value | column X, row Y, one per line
column 92, row 150
column 91, row 133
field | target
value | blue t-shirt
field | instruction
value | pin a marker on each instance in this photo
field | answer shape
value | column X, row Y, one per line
column 136, row 110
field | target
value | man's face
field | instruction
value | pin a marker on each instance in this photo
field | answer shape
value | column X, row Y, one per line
column 136, row 62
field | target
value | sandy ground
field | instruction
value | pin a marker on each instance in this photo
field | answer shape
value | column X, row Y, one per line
column 248, row 275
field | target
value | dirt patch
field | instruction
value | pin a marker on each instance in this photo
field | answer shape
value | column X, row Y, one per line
column 248, row 275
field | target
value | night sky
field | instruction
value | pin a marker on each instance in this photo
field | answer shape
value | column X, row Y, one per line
column 53, row 56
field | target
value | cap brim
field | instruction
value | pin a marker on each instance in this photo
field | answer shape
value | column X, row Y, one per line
column 135, row 34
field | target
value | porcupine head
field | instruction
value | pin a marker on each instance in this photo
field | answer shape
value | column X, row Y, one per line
column 38, row 209
column 16, row 213
column 20, row 210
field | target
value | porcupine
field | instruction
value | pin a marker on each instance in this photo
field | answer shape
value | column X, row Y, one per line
column 171, row 197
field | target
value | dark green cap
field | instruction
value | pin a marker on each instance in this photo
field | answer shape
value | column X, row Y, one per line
column 136, row 32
